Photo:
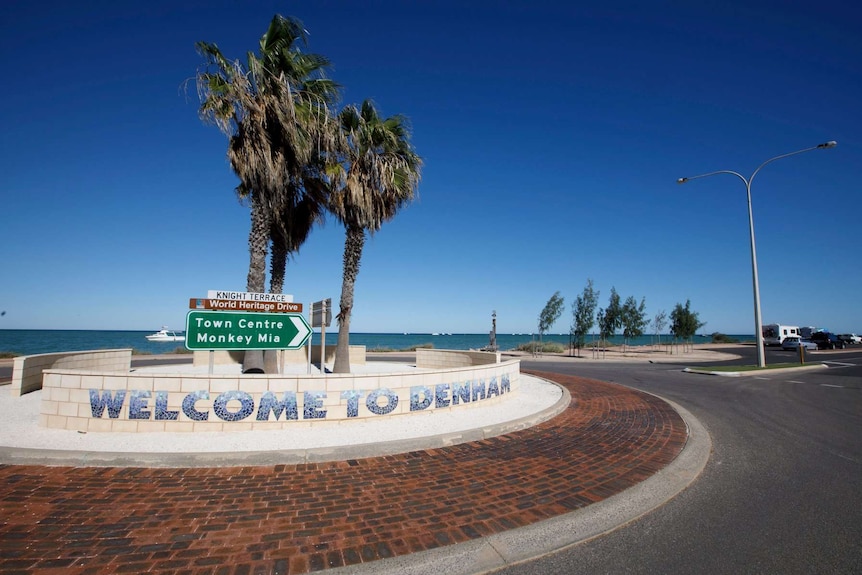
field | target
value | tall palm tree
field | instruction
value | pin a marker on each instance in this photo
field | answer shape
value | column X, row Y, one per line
column 275, row 112
column 379, row 174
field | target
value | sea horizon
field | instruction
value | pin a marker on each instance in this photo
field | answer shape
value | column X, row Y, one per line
column 35, row 341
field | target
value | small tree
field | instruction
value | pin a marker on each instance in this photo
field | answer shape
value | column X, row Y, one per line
column 583, row 314
column 684, row 322
column 658, row 323
column 633, row 319
column 612, row 317
column 550, row 314
column 600, row 319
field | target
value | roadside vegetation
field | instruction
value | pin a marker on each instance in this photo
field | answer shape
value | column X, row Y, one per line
column 721, row 338
column 180, row 350
column 541, row 347
column 403, row 349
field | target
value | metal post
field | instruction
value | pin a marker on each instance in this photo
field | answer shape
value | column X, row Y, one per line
column 758, row 326
column 323, row 336
column 311, row 323
column 758, row 321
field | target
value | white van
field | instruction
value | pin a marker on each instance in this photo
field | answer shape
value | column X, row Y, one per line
column 774, row 333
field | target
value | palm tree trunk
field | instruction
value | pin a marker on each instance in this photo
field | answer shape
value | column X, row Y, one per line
column 353, row 244
column 277, row 266
column 278, row 262
column 258, row 238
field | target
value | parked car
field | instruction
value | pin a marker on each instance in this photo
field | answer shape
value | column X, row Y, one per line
column 827, row 340
column 793, row 343
column 850, row 338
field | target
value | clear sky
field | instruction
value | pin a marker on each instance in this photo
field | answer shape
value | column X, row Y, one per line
column 552, row 133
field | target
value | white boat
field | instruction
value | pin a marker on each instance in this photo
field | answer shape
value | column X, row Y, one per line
column 165, row 334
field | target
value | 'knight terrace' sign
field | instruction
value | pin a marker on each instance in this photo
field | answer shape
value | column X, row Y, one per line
column 238, row 330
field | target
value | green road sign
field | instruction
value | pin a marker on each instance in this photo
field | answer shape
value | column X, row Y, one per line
column 242, row 330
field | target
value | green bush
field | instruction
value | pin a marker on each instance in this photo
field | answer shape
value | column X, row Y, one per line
column 545, row 347
column 411, row 348
column 420, row 346
column 721, row 338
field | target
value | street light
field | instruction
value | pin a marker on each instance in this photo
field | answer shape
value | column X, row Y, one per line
column 758, row 327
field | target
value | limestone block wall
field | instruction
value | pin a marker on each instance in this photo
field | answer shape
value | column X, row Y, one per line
column 445, row 358
column 27, row 370
column 93, row 401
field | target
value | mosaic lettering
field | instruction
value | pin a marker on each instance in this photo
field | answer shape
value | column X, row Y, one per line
column 238, row 405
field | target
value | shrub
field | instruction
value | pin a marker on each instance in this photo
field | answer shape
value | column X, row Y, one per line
column 421, row 345
column 411, row 348
column 545, row 347
column 721, row 338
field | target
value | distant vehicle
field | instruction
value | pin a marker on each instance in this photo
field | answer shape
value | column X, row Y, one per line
column 774, row 333
column 793, row 343
column 827, row 340
column 850, row 338
column 805, row 332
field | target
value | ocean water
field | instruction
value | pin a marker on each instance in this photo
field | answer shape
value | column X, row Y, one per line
column 28, row 341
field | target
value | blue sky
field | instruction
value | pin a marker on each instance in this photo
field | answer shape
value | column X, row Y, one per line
column 552, row 134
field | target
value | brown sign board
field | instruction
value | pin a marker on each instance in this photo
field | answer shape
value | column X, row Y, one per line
column 242, row 305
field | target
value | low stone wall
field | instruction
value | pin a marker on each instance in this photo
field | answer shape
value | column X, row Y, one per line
column 291, row 356
column 92, row 400
column 27, row 369
column 445, row 358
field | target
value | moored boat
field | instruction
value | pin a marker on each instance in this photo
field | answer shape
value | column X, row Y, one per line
column 165, row 334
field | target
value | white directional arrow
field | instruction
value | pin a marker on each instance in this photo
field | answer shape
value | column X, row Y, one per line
column 302, row 331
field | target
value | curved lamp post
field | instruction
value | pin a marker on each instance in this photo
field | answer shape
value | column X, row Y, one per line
column 758, row 327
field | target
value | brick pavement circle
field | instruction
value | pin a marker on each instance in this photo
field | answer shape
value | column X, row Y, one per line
column 302, row 518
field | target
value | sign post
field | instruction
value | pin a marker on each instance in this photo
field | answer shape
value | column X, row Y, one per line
column 321, row 316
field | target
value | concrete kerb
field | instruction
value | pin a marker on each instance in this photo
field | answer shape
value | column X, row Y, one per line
column 501, row 550
column 750, row 372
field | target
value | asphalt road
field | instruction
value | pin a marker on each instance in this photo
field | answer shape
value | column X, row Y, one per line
column 782, row 492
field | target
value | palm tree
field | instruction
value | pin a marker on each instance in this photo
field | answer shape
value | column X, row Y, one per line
column 379, row 174
column 275, row 112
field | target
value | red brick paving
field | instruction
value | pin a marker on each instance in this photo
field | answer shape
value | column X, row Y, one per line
column 301, row 518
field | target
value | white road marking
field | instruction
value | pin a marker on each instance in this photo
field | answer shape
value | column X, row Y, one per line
column 831, row 385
